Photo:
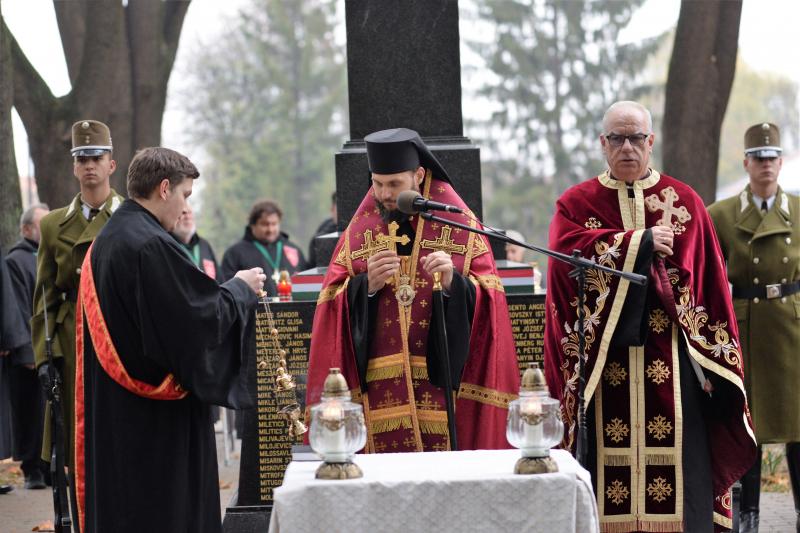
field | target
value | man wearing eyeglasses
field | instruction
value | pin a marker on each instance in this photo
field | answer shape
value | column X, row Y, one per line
column 668, row 430
column 759, row 233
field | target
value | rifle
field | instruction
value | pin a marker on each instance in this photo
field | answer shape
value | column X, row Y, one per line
column 62, row 522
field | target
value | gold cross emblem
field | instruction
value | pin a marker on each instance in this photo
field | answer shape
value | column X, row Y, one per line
column 370, row 247
column 392, row 239
column 388, row 400
column 681, row 214
column 445, row 243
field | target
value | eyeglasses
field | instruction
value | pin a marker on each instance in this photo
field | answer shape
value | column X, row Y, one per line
column 637, row 139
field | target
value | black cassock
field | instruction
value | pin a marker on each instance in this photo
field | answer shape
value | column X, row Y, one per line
column 151, row 465
column 14, row 333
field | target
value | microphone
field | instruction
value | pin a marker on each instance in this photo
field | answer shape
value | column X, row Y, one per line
column 412, row 202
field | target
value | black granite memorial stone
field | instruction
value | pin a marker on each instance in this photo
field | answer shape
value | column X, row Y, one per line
column 266, row 444
column 404, row 66
column 404, row 71
column 527, row 312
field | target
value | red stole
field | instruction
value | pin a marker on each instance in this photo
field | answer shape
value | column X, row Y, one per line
column 89, row 305
column 404, row 412
column 636, row 390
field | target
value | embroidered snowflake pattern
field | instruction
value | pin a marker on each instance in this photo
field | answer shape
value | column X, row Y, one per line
column 659, row 489
column 616, row 430
column 659, row 427
column 617, row 492
column 658, row 371
column 614, row 374
column 658, row 320
column 593, row 223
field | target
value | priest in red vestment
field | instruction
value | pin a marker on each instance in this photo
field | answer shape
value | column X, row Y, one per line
column 669, row 430
column 374, row 319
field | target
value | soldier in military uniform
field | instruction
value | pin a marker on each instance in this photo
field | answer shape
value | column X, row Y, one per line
column 759, row 233
column 66, row 234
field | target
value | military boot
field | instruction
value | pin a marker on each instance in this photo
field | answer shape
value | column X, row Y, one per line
column 793, row 462
column 751, row 494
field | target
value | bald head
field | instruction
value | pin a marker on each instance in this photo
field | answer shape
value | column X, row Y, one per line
column 626, row 108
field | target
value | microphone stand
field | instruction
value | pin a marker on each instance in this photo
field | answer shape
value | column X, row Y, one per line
column 580, row 265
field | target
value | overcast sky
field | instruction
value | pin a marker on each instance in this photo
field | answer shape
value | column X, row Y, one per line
column 767, row 40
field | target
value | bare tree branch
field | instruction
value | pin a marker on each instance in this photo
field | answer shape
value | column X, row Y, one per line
column 71, row 19
column 32, row 97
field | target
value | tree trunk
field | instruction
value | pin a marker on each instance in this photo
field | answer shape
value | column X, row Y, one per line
column 119, row 76
column 10, row 197
column 700, row 77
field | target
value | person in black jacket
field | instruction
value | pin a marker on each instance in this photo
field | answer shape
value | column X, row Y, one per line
column 27, row 396
column 197, row 248
column 13, row 334
column 264, row 245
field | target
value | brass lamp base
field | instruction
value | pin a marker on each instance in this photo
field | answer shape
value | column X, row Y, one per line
column 535, row 465
column 347, row 470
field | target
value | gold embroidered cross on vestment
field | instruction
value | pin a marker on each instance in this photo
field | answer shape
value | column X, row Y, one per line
column 667, row 205
column 444, row 243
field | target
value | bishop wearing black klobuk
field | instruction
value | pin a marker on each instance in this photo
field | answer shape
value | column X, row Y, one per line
column 172, row 342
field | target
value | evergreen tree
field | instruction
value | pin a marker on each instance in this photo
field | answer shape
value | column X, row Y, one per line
column 555, row 67
column 267, row 102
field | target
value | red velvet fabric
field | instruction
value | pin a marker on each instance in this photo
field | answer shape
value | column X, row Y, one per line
column 691, row 286
column 490, row 378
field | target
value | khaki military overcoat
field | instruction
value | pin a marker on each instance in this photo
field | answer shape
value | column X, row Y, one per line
column 65, row 237
column 762, row 250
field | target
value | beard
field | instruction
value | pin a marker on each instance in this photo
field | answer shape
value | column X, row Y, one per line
column 392, row 215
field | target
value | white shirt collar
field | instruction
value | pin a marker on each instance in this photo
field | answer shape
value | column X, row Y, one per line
column 757, row 201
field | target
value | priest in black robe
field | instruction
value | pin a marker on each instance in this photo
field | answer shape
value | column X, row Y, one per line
column 158, row 342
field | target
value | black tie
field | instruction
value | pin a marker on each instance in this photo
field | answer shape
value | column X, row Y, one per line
column 764, row 207
column 93, row 212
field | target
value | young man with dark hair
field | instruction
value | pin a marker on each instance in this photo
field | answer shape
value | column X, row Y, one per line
column 158, row 342
column 264, row 245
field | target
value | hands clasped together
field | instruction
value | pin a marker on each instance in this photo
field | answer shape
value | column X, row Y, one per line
column 383, row 265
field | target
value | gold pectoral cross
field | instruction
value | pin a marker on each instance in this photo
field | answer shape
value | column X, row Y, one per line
column 392, row 239
column 379, row 243
column 405, row 291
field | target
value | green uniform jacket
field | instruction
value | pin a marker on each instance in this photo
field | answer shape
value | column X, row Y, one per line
column 66, row 236
column 763, row 250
